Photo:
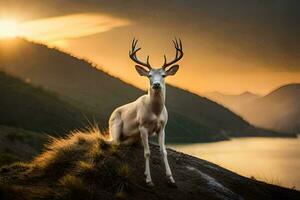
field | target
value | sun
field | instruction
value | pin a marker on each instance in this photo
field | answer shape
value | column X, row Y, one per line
column 8, row 28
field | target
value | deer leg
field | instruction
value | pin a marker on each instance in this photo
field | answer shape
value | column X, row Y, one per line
column 161, row 141
column 115, row 129
column 144, row 137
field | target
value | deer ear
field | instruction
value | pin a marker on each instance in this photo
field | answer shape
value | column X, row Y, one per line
column 142, row 71
column 172, row 71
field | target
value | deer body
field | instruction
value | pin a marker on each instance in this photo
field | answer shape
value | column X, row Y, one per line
column 130, row 117
column 147, row 115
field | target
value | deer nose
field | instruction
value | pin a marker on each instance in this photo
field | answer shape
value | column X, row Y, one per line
column 156, row 86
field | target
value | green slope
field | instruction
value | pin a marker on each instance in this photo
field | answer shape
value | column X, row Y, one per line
column 19, row 145
column 192, row 118
column 31, row 108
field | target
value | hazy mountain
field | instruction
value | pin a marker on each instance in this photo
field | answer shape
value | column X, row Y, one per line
column 31, row 108
column 234, row 102
column 192, row 118
column 279, row 110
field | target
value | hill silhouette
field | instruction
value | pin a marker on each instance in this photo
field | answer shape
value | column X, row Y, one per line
column 192, row 118
column 233, row 102
column 31, row 108
column 278, row 110
column 84, row 166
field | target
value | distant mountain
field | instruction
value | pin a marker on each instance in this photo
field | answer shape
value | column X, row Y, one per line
column 234, row 102
column 192, row 118
column 279, row 110
column 31, row 108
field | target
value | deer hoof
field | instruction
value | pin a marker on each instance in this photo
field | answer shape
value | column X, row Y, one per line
column 150, row 184
column 171, row 183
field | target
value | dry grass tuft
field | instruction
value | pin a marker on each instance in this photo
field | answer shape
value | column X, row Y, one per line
column 16, row 170
column 124, row 170
column 20, row 166
column 71, row 182
column 86, row 166
column 114, row 149
column 73, row 188
column 121, row 195
column 67, row 152
column 75, row 164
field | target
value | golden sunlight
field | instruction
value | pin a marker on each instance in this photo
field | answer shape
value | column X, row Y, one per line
column 55, row 30
column 8, row 28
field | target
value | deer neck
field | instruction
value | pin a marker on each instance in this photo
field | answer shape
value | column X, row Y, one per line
column 157, row 100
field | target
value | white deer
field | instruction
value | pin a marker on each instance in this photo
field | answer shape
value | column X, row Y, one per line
column 147, row 115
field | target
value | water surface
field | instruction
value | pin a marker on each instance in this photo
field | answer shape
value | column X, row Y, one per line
column 273, row 160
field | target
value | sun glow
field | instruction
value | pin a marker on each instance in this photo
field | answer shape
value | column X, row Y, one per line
column 8, row 28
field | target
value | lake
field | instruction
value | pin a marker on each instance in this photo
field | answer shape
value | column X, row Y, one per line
column 273, row 160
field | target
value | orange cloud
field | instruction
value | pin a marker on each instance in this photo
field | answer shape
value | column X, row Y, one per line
column 69, row 26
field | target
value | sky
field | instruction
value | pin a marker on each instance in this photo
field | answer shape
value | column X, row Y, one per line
column 230, row 47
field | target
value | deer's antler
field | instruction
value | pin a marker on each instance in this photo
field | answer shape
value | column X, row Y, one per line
column 178, row 56
column 132, row 55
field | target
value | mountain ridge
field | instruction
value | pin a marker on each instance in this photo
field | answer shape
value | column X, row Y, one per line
column 285, row 89
column 278, row 110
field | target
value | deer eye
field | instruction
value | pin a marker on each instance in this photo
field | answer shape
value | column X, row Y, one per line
column 163, row 75
column 149, row 75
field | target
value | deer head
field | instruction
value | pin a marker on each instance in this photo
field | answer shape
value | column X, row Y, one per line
column 157, row 75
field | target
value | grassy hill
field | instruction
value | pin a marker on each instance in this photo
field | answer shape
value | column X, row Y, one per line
column 84, row 166
column 31, row 108
column 192, row 118
column 19, row 145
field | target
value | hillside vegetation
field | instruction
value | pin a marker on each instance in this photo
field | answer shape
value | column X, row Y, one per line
column 19, row 145
column 192, row 118
column 31, row 108
column 84, row 166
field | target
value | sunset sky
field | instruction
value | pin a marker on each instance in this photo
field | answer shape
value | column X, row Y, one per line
column 229, row 47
